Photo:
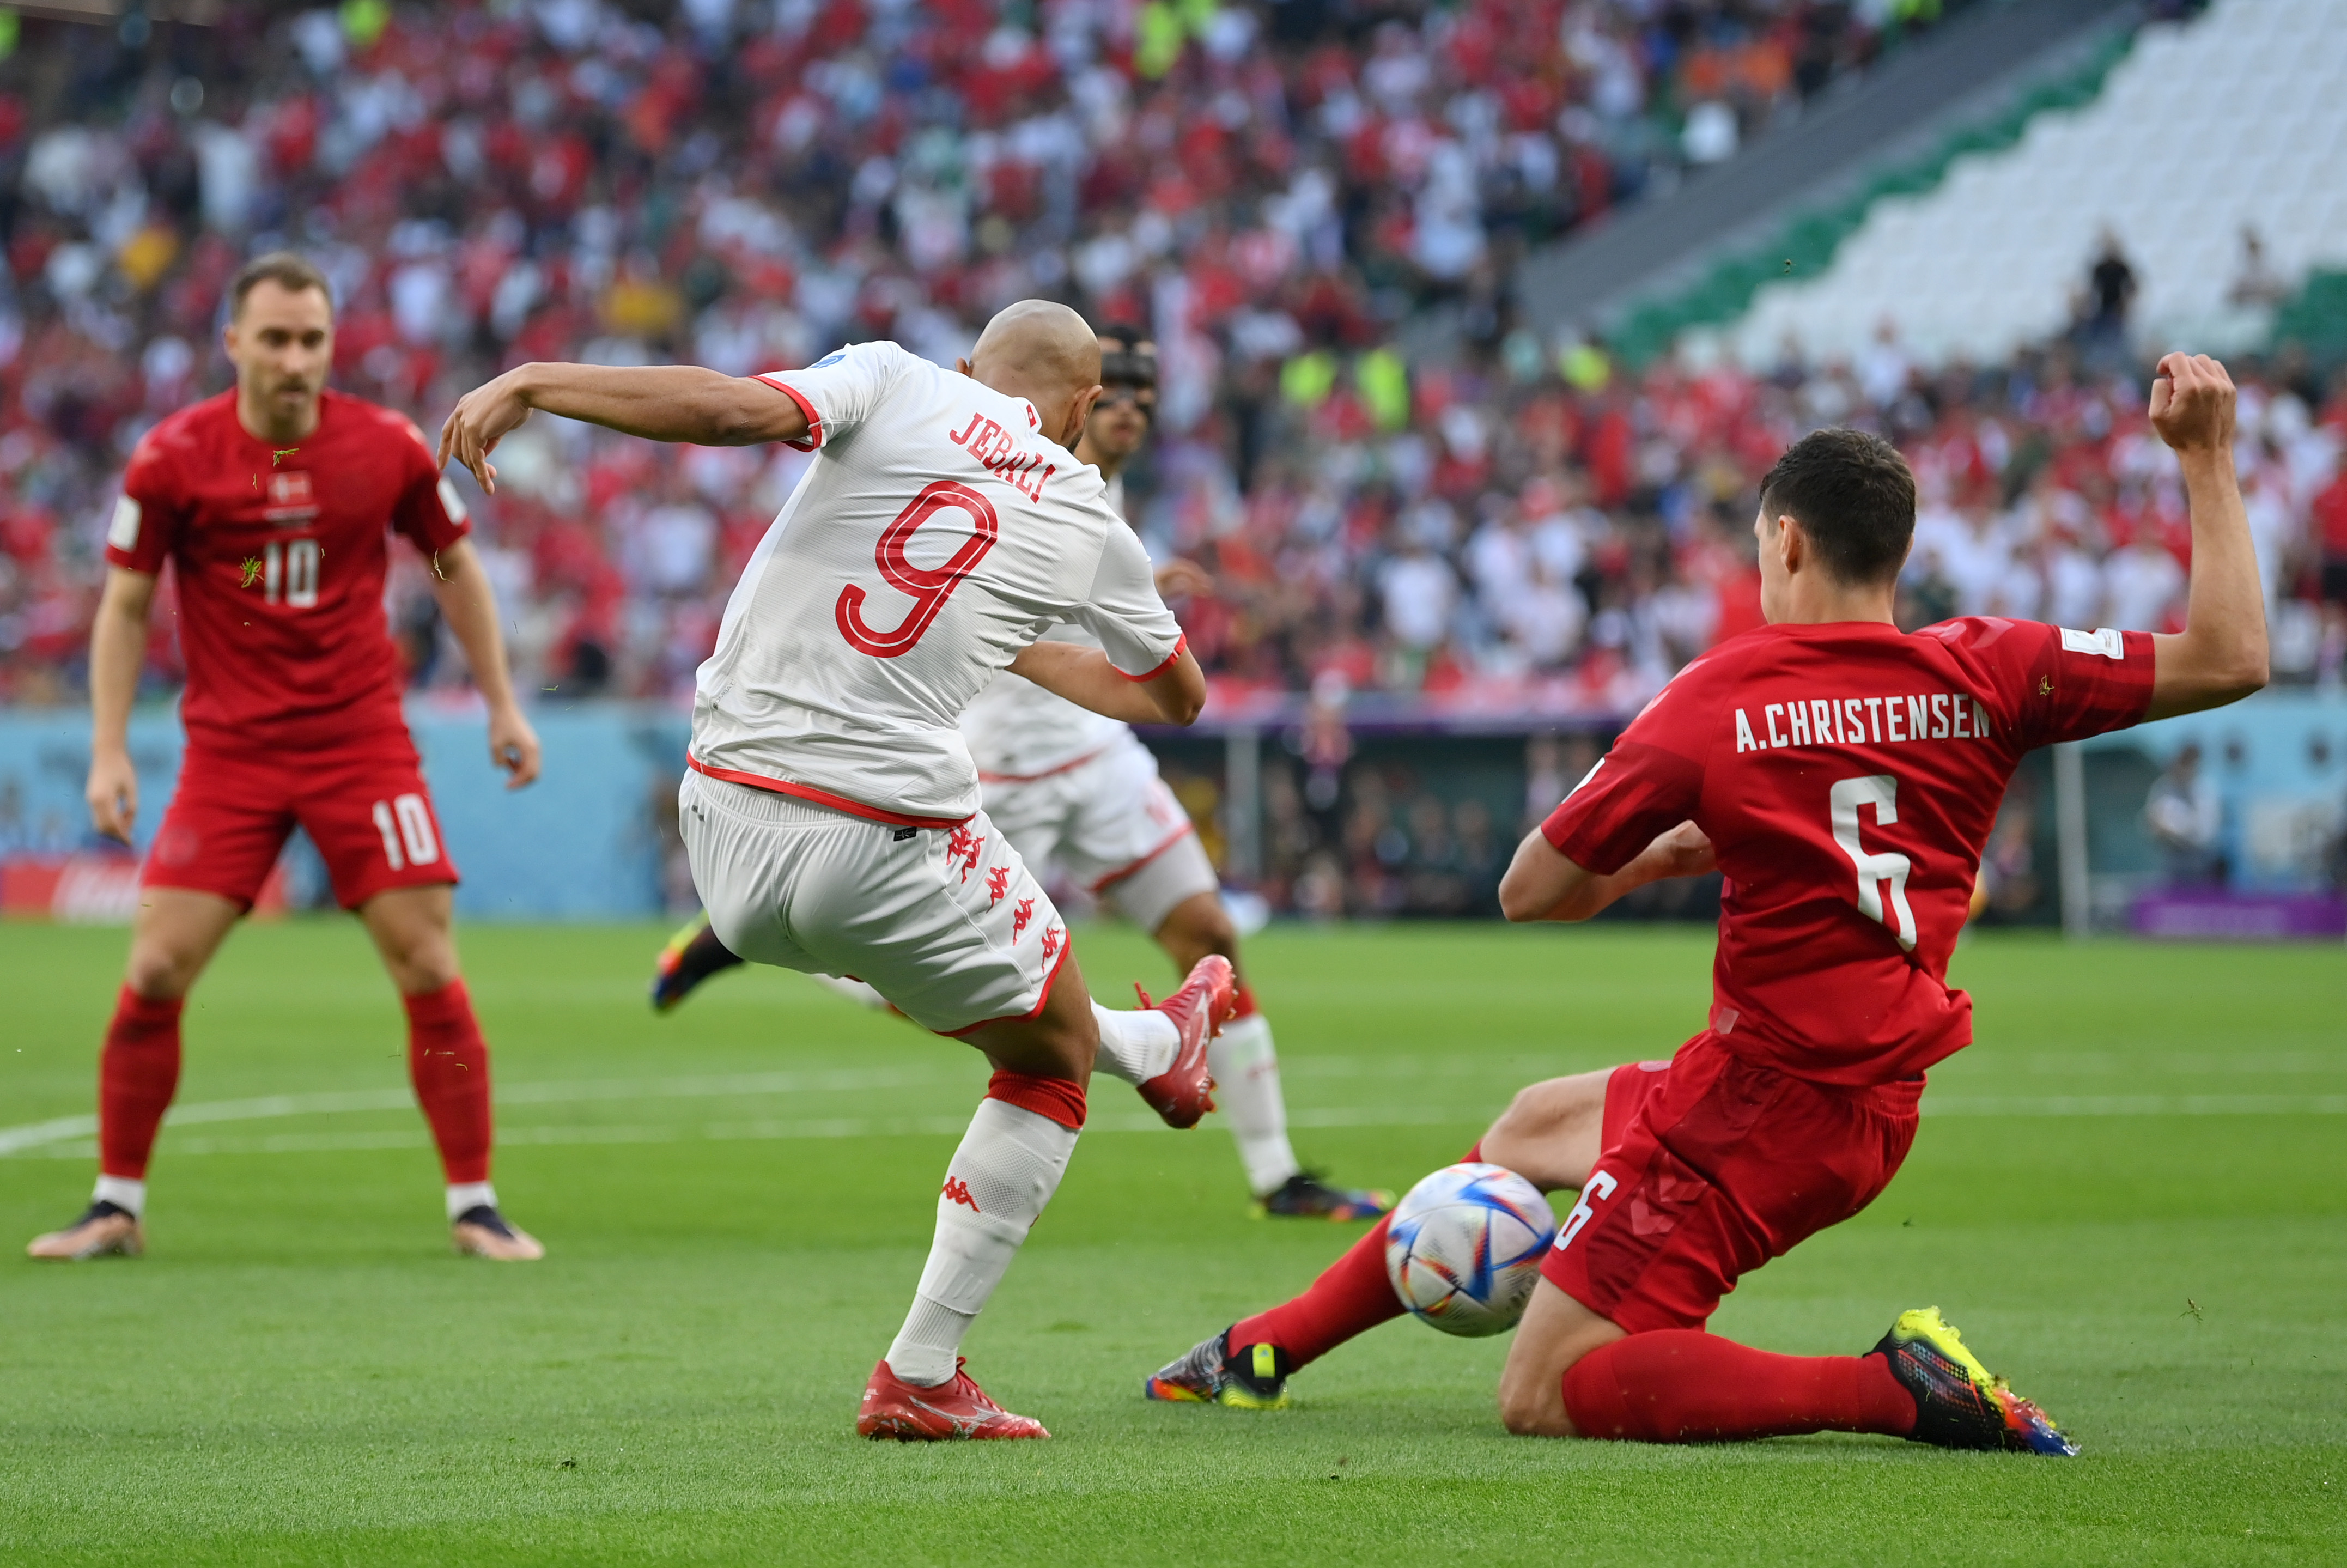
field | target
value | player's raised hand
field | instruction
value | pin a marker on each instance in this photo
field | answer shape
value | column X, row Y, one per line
column 1182, row 579
column 113, row 795
column 483, row 417
column 2192, row 403
column 513, row 745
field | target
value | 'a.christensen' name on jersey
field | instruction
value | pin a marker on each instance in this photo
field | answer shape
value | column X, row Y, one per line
column 1863, row 722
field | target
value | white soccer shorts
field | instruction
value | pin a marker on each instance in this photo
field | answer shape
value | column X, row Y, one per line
column 947, row 923
column 1109, row 823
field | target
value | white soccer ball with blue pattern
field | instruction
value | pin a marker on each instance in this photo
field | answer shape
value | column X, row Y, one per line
column 1464, row 1249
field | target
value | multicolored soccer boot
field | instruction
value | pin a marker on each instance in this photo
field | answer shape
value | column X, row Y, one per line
column 949, row 1413
column 482, row 1231
column 691, row 955
column 1305, row 1196
column 1211, row 1375
column 1958, row 1405
column 103, row 1229
column 1185, row 1092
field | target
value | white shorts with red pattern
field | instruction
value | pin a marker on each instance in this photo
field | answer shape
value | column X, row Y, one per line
column 1109, row 823
column 946, row 923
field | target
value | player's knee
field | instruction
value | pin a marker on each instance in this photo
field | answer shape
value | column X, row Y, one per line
column 161, row 971
column 1533, row 1408
column 420, row 960
column 1198, row 927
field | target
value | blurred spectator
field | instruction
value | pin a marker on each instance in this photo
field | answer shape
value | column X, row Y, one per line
column 2184, row 817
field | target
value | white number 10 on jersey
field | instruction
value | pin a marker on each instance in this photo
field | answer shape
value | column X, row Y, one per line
column 289, row 572
column 1879, row 866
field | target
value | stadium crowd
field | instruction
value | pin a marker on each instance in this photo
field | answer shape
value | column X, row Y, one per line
column 747, row 184
column 1527, row 526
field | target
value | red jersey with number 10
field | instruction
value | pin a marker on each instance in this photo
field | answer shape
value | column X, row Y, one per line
column 1848, row 775
column 281, row 555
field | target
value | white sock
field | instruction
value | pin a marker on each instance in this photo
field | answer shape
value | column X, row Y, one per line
column 463, row 1195
column 1008, row 1167
column 854, row 990
column 1135, row 1046
column 1246, row 1091
column 122, row 1192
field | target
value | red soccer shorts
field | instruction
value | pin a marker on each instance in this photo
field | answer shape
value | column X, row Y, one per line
column 1711, row 1167
column 366, row 807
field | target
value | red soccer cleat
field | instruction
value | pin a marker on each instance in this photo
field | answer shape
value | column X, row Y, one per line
column 1185, row 1092
column 910, row 1413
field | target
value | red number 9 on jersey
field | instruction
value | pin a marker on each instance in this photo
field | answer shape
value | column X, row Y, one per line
column 929, row 585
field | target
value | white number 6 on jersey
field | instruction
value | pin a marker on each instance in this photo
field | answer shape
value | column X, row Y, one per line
column 1882, row 791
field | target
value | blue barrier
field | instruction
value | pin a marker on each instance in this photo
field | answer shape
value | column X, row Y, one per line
column 583, row 843
column 587, row 841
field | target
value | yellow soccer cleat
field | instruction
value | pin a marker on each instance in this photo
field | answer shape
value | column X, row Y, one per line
column 1212, row 1375
column 1958, row 1403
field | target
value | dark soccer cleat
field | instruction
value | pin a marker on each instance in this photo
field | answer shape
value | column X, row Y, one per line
column 103, row 1229
column 1306, row 1197
column 691, row 955
column 1185, row 1092
column 482, row 1231
column 1211, row 1375
column 1958, row 1405
column 953, row 1411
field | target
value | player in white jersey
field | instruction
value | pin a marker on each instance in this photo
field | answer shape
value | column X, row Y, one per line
column 831, row 810
column 1077, row 789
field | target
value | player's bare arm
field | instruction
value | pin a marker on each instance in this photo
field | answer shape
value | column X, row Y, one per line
column 470, row 605
column 1542, row 885
column 1084, row 676
column 118, row 646
column 660, row 403
column 1181, row 577
column 2220, row 656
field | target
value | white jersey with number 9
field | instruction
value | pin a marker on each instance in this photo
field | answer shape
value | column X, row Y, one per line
column 937, row 534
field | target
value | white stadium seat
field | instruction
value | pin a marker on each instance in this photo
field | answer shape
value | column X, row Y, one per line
column 2165, row 156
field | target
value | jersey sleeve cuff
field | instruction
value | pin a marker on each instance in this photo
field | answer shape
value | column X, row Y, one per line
column 813, row 440
column 1167, row 663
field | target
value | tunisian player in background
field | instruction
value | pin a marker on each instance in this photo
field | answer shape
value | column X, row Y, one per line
column 270, row 501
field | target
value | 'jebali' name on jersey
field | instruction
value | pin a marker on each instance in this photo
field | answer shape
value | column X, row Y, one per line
column 1864, row 721
column 998, row 455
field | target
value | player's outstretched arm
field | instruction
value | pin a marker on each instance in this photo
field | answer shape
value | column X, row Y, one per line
column 2220, row 656
column 117, row 647
column 1542, row 883
column 470, row 606
column 1174, row 696
column 660, row 403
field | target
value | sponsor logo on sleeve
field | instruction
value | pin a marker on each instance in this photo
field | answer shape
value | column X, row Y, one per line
column 122, row 532
column 2103, row 639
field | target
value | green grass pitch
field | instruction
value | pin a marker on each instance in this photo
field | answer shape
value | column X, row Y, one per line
column 2131, row 1194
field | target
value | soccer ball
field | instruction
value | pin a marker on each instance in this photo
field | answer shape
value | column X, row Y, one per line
column 1465, row 1245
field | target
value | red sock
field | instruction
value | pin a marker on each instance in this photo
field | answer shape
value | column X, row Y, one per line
column 1352, row 1297
column 138, row 1074
column 448, row 1062
column 1682, row 1384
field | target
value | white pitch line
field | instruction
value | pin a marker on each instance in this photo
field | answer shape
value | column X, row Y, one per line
column 60, row 1146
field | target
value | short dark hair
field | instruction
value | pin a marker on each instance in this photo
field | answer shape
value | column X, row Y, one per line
column 1855, row 497
column 290, row 271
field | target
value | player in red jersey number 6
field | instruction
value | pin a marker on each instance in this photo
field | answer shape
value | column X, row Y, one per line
column 1844, row 776
column 831, row 808
column 270, row 503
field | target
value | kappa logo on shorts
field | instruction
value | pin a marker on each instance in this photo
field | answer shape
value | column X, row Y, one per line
column 1052, row 938
column 964, row 846
column 1020, row 913
column 957, row 1191
column 1601, row 1187
column 998, row 883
